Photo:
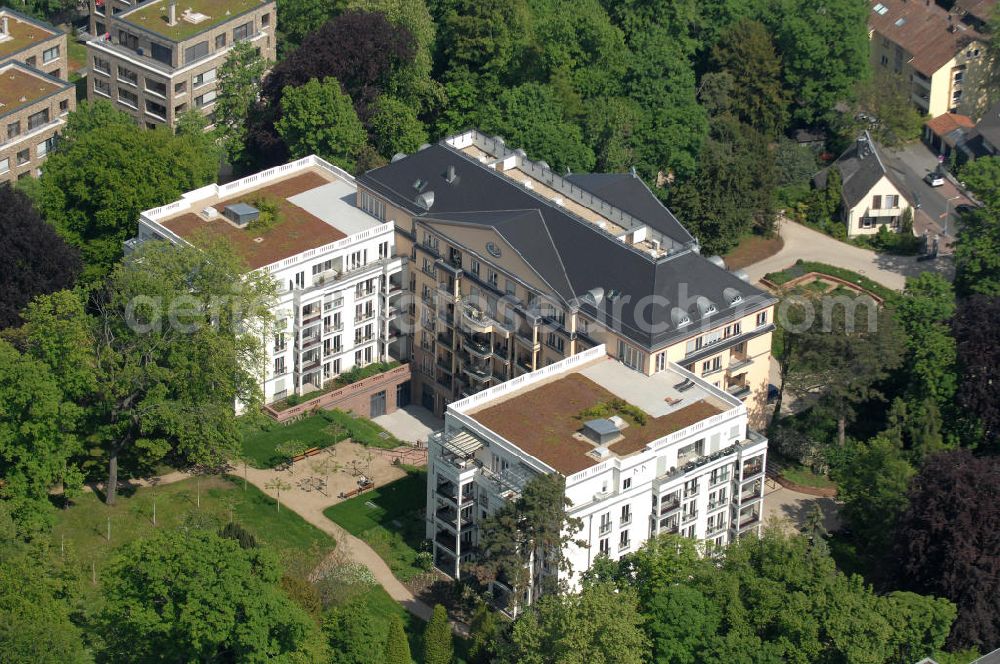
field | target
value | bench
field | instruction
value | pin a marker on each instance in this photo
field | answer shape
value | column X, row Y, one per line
column 311, row 452
column 684, row 385
column 367, row 486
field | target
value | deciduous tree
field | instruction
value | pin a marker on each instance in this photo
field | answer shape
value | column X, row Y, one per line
column 194, row 596
column 33, row 258
column 977, row 336
column 395, row 127
column 318, row 118
column 238, row 91
column 944, row 540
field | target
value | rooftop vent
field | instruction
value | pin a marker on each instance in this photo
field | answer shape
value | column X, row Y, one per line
column 521, row 153
column 399, row 155
column 732, row 296
column 241, row 214
column 679, row 317
column 449, row 175
column 499, row 139
column 544, row 164
column 418, row 184
column 718, row 261
column 594, row 296
column 426, row 200
column 705, row 306
column 601, row 431
column 210, row 213
column 600, row 452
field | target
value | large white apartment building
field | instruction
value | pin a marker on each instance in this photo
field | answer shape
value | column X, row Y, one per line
column 335, row 266
column 694, row 467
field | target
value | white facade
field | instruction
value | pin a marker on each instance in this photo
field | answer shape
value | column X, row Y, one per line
column 704, row 481
column 335, row 300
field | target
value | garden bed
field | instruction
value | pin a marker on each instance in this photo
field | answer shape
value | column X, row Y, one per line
column 343, row 380
column 804, row 269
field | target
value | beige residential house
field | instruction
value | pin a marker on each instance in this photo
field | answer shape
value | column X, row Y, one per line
column 871, row 195
column 514, row 267
column 936, row 50
column 33, row 42
column 157, row 59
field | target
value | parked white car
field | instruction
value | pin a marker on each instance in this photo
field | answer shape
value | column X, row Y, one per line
column 934, row 179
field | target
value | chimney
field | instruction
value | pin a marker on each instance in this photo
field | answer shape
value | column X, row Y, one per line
column 450, row 177
column 5, row 30
column 172, row 13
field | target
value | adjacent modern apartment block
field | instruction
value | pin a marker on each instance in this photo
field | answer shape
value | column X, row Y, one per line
column 33, row 106
column 514, row 267
column 693, row 467
column 932, row 48
column 336, row 269
column 157, row 59
column 35, row 43
column 34, row 94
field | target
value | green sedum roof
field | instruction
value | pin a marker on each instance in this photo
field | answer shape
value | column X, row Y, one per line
column 152, row 16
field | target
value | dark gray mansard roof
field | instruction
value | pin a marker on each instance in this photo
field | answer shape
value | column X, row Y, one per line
column 572, row 255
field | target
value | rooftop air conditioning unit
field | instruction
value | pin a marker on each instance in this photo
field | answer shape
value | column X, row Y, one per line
column 210, row 213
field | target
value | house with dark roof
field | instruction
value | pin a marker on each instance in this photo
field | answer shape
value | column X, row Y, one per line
column 933, row 48
column 945, row 133
column 872, row 195
column 515, row 267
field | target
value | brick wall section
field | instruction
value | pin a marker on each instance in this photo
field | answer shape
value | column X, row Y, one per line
column 355, row 397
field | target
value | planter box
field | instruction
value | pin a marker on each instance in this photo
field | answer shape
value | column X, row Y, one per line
column 355, row 397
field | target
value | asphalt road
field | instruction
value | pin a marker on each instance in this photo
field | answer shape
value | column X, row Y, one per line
column 910, row 164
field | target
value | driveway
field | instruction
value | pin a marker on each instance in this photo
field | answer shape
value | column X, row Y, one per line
column 807, row 244
column 910, row 164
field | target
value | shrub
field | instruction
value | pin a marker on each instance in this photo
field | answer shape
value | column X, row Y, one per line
column 233, row 530
column 424, row 560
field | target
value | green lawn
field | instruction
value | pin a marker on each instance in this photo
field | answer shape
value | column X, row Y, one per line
column 83, row 528
column 390, row 519
column 321, row 430
column 803, row 476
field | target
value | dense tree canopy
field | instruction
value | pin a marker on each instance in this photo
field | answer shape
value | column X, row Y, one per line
column 33, row 259
column 317, row 118
column 195, row 596
column 107, row 170
column 946, row 542
column 977, row 336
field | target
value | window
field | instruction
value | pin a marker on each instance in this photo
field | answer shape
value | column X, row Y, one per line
column 102, row 87
column 606, row 523
column 690, row 489
column 46, row 146
column 626, row 514
column 242, row 32
column 199, row 50
column 626, row 484
column 880, row 9
column 4, row 165
column 892, row 201
column 510, row 287
column 884, row 61
column 180, row 88
column 205, row 99
column 128, row 40
column 203, row 78
column 265, row 20
column 161, row 53
column 158, row 110
column 623, row 542
column 876, row 202
column 102, row 66
column 661, row 361
column 31, row 62
column 158, row 88
column 64, row 107
column 959, row 75
column 279, row 366
column 475, row 267
column 220, row 40
column 128, row 76
column 13, row 129
column 711, row 366
column 629, row 356
column 493, row 278
column 603, row 546
column 373, row 206
column 383, row 250
column 128, row 98
column 279, row 342
column 23, row 157
column 50, row 54
column 762, row 318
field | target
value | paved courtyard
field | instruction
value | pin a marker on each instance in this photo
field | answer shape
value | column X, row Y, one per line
column 411, row 423
column 791, row 509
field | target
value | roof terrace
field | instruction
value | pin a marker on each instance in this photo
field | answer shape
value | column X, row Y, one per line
column 192, row 16
column 21, row 32
column 21, row 87
column 546, row 418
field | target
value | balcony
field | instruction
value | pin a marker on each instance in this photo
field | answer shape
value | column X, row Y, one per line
column 446, row 338
column 749, row 521
column 625, row 520
column 476, row 320
column 332, row 329
column 476, row 347
column 427, row 324
column 524, row 364
column 622, row 546
column 447, row 318
column 752, row 468
column 738, row 361
column 717, row 504
column 738, row 391
column 310, row 341
column 445, row 382
column 669, row 504
column 444, row 365
column 449, row 515
column 605, row 528
column 689, row 517
column 716, row 480
column 502, row 353
column 669, row 526
column 477, row 373
column 718, row 528
column 447, row 540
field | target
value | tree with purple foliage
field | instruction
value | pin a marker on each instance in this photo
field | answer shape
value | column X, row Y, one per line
column 362, row 50
column 947, row 543
column 34, row 260
column 977, row 333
